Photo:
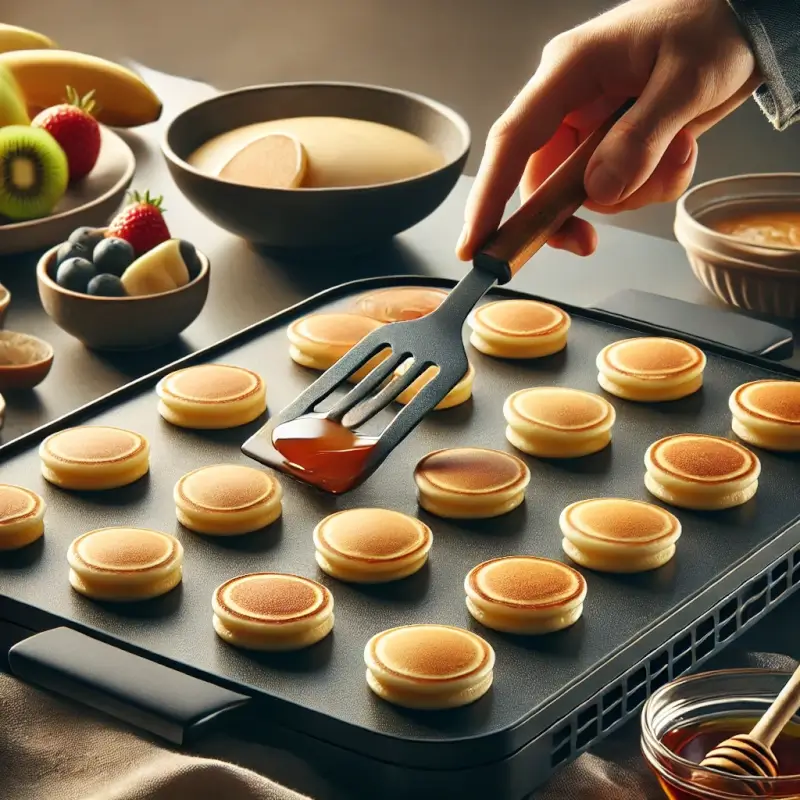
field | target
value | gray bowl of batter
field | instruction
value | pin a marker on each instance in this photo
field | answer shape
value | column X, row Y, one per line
column 378, row 161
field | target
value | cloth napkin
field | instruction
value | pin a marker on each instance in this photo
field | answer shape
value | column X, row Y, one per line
column 53, row 749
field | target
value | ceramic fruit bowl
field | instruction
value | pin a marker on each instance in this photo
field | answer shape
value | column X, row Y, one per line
column 324, row 216
column 764, row 278
column 5, row 302
column 25, row 361
column 122, row 323
column 89, row 202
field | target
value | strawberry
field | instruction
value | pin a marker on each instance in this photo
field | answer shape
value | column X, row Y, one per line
column 72, row 125
column 141, row 224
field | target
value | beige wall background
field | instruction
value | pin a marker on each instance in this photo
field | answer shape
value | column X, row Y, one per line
column 471, row 54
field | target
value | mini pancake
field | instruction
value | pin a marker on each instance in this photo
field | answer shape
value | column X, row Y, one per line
column 399, row 303
column 611, row 534
column 519, row 329
column 211, row 397
column 318, row 341
column 459, row 394
column 21, row 516
column 429, row 666
column 272, row 611
column 470, row 482
column 94, row 457
column 371, row 545
column 556, row 422
column 125, row 564
column 651, row 369
column 227, row 499
column 701, row 472
column 766, row 414
column 526, row 595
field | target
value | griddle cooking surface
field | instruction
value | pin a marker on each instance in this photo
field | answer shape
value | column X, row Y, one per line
column 323, row 690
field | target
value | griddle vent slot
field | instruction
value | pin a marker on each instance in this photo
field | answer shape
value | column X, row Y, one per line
column 622, row 699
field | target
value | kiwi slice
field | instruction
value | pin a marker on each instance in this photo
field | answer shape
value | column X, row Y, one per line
column 33, row 172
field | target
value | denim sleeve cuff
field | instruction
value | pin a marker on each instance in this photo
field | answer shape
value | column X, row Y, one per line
column 773, row 28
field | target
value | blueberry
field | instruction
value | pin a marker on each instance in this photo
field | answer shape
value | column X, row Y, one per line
column 74, row 274
column 113, row 256
column 106, row 285
column 190, row 258
column 71, row 250
column 88, row 237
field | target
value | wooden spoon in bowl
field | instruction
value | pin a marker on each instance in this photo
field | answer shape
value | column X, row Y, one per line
column 750, row 754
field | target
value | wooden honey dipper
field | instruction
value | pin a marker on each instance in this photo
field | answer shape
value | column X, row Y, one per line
column 750, row 754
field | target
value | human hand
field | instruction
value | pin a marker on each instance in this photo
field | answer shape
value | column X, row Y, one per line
column 688, row 64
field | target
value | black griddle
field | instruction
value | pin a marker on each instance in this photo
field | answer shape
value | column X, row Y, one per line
column 553, row 695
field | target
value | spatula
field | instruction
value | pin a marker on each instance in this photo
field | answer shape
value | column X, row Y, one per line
column 434, row 340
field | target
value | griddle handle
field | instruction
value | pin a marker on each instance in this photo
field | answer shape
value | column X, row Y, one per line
column 142, row 693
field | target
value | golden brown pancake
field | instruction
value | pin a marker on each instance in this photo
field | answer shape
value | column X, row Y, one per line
column 470, row 482
column 211, row 396
column 525, row 594
column 399, row 303
column 371, row 545
column 94, row 457
column 766, row 413
column 701, row 472
column 227, row 499
column 21, row 516
column 613, row 534
column 651, row 368
column 459, row 394
column 125, row 564
column 272, row 611
column 318, row 341
column 429, row 666
column 557, row 422
column 519, row 329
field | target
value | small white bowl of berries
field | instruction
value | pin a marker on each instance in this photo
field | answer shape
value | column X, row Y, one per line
column 130, row 286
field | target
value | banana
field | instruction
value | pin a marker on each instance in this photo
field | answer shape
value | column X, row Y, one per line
column 12, row 103
column 123, row 99
column 13, row 37
column 159, row 270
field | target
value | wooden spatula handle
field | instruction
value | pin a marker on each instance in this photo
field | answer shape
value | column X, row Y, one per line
column 544, row 212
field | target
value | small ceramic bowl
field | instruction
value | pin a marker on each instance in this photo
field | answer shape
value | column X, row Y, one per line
column 25, row 361
column 122, row 323
column 5, row 301
column 317, row 217
column 754, row 277
column 690, row 707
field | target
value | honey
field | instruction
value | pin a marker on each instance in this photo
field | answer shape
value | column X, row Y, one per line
column 693, row 742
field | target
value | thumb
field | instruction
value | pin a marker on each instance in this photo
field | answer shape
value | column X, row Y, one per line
column 633, row 148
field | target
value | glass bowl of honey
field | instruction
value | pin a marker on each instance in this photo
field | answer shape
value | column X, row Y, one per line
column 686, row 718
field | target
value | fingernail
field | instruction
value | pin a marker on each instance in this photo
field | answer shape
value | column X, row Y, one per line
column 603, row 186
column 462, row 239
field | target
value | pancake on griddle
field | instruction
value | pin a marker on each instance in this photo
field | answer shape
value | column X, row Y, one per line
column 399, row 303
column 125, row 564
column 459, row 394
column 651, row 369
column 429, row 666
column 211, row 396
column 227, row 499
column 318, row 341
column 557, row 422
column 525, row 594
column 470, row 482
column 371, row 545
column 94, row 457
column 21, row 516
column 612, row 534
column 272, row 611
column 518, row 329
column 701, row 472
column 766, row 414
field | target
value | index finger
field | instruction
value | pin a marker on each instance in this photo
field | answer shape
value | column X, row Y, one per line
column 560, row 85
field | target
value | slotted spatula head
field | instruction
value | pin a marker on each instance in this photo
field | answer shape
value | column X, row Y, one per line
column 434, row 340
